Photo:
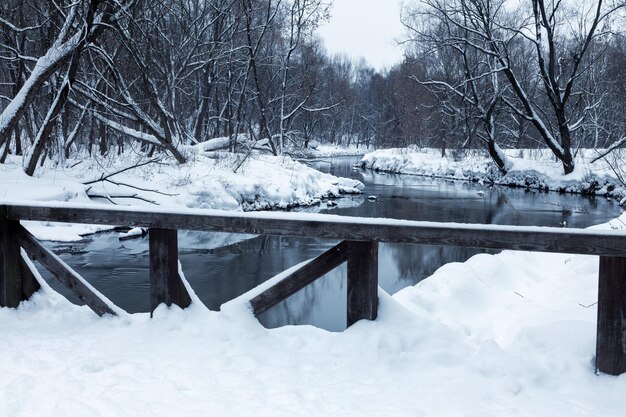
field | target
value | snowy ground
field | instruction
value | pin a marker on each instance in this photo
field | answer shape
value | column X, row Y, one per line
column 511, row 334
column 260, row 182
column 494, row 336
column 530, row 168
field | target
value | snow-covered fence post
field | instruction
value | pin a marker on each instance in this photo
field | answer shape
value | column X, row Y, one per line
column 611, row 336
column 362, row 281
column 10, row 276
column 165, row 284
column 16, row 281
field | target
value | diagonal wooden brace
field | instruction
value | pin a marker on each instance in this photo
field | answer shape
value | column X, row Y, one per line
column 66, row 275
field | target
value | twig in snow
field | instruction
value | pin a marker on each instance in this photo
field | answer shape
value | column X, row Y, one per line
column 110, row 197
column 102, row 196
column 590, row 305
column 138, row 188
column 105, row 177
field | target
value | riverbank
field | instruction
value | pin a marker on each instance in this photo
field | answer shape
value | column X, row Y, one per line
column 532, row 169
column 493, row 336
column 330, row 151
column 230, row 182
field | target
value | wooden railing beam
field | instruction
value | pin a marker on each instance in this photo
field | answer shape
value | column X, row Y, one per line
column 542, row 239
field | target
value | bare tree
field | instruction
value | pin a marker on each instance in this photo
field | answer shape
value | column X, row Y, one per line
column 461, row 72
column 560, row 43
column 83, row 21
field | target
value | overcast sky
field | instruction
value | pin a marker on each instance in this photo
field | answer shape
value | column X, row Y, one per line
column 365, row 28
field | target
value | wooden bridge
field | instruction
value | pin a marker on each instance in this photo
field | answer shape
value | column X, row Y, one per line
column 359, row 248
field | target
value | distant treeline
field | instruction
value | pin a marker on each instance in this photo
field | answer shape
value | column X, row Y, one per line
column 100, row 76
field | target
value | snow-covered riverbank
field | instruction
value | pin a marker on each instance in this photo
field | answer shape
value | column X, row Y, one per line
column 493, row 336
column 534, row 169
column 509, row 334
column 227, row 182
column 330, row 151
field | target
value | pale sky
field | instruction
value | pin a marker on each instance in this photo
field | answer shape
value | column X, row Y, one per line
column 365, row 28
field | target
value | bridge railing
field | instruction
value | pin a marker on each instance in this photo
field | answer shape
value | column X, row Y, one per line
column 358, row 247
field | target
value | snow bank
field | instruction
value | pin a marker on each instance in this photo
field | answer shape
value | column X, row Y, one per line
column 316, row 151
column 260, row 182
column 326, row 151
column 494, row 336
column 535, row 169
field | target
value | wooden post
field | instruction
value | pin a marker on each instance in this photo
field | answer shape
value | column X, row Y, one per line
column 362, row 281
column 165, row 284
column 611, row 336
column 11, row 293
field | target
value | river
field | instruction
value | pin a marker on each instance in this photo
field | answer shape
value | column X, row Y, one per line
column 223, row 266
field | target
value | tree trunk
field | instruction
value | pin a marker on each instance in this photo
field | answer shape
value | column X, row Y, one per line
column 496, row 154
column 102, row 139
column 46, row 128
column 5, row 150
column 566, row 143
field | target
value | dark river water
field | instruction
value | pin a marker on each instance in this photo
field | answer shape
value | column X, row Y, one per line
column 223, row 266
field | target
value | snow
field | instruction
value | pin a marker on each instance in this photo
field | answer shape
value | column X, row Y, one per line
column 318, row 151
column 495, row 335
column 261, row 182
column 62, row 232
column 492, row 336
column 508, row 334
column 134, row 232
column 325, row 151
column 530, row 168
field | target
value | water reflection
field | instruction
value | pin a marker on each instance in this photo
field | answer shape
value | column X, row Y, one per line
column 430, row 199
column 321, row 304
column 222, row 266
column 403, row 265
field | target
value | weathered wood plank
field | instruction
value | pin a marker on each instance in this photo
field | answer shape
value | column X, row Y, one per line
column 362, row 281
column 611, row 335
column 299, row 279
column 593, row 242
column 11, row 283
column 165, row 284
column 30, row 285
column 66, row 275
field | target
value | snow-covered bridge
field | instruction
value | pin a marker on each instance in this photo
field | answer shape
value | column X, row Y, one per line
column 358, row 247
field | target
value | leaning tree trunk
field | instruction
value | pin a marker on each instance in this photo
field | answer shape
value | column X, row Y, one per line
column 495, row 151
column 44, row 68
column 46, row 128
column 5, row 150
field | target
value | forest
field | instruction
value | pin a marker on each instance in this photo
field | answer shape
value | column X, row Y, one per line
column 104, row 77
